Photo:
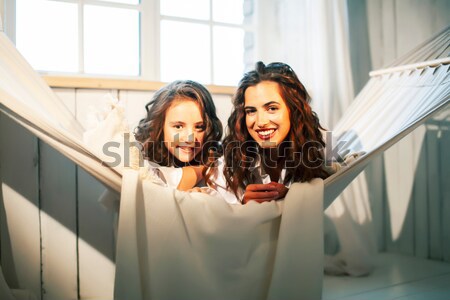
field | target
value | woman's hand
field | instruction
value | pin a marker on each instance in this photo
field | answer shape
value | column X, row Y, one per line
column 264, row 192
column 280, row 188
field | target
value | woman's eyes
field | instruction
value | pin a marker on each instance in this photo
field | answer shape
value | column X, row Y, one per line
column 178, row 126
column 250, row 112
column 272, row 108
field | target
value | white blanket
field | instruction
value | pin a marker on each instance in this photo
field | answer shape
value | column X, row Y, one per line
column 178, row 245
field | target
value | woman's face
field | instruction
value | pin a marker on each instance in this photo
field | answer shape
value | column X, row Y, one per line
column 184, row 129
column 266, row 115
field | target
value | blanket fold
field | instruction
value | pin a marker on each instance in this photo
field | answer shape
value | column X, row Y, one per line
column 179, row 245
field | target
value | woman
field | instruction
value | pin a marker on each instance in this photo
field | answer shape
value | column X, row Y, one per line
column 274, row 138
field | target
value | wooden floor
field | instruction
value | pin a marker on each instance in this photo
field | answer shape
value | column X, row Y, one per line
column 395, row 277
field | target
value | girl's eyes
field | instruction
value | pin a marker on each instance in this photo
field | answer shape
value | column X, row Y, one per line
column 200, row 127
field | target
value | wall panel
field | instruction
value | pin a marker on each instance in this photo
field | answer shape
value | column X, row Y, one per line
column 58, row 225
column 19, row 207
column 419, row 199
column 135, row 102
column 96, row 242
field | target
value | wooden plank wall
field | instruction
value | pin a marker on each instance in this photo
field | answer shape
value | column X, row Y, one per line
column 20, row 215
column 50, row 211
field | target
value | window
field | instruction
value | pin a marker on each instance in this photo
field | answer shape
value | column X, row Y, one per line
column 160, row 40
column 80, row 36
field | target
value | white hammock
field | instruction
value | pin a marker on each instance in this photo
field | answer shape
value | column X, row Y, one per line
column 412, row 95
column 189, row 228
column 392, row 104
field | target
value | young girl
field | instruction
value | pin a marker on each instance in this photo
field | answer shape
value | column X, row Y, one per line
column 273, row 138
column 181, row 133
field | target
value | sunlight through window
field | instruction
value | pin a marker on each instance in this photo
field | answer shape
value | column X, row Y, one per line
column 228, row 55
column 161, row 40
column 49, row 43
column 111, row 44
column 193, row 9
column 185, row 51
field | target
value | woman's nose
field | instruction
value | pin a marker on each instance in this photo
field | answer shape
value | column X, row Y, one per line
column 261, row 119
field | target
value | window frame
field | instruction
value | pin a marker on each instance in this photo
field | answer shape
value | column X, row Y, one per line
column 150, row 20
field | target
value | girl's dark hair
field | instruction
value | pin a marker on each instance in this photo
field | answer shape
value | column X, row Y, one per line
column 150, row 133
column 303, row 156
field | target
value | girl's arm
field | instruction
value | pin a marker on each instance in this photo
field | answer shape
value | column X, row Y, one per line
column 191, row 176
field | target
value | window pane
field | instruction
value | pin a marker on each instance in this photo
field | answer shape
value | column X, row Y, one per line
column 228, row 55
column 185, row 51
column 123, row 1
column 228, row 11
column 47, row 34
column 111, row 40
column 195, row 9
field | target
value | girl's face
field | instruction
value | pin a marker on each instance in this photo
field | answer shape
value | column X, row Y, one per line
column 184, row 129
column 266, row 115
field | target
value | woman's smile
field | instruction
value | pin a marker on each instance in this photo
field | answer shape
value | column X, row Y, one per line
column 266, row 134
column 266, row 115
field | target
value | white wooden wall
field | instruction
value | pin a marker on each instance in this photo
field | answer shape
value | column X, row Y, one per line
column 57, row 240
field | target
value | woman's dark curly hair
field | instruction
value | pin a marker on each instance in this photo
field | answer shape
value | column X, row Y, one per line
column 303, row 157
column 150, row 133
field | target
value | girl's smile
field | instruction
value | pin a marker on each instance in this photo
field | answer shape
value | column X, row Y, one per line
column 184, row 130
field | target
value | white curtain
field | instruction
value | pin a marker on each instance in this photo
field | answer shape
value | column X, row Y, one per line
column 312, row 37
column 413, row 226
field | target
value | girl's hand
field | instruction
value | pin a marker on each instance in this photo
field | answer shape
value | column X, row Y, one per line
column 195, row 190
column 203, row 190
column 191, row 176
column 261, row 192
